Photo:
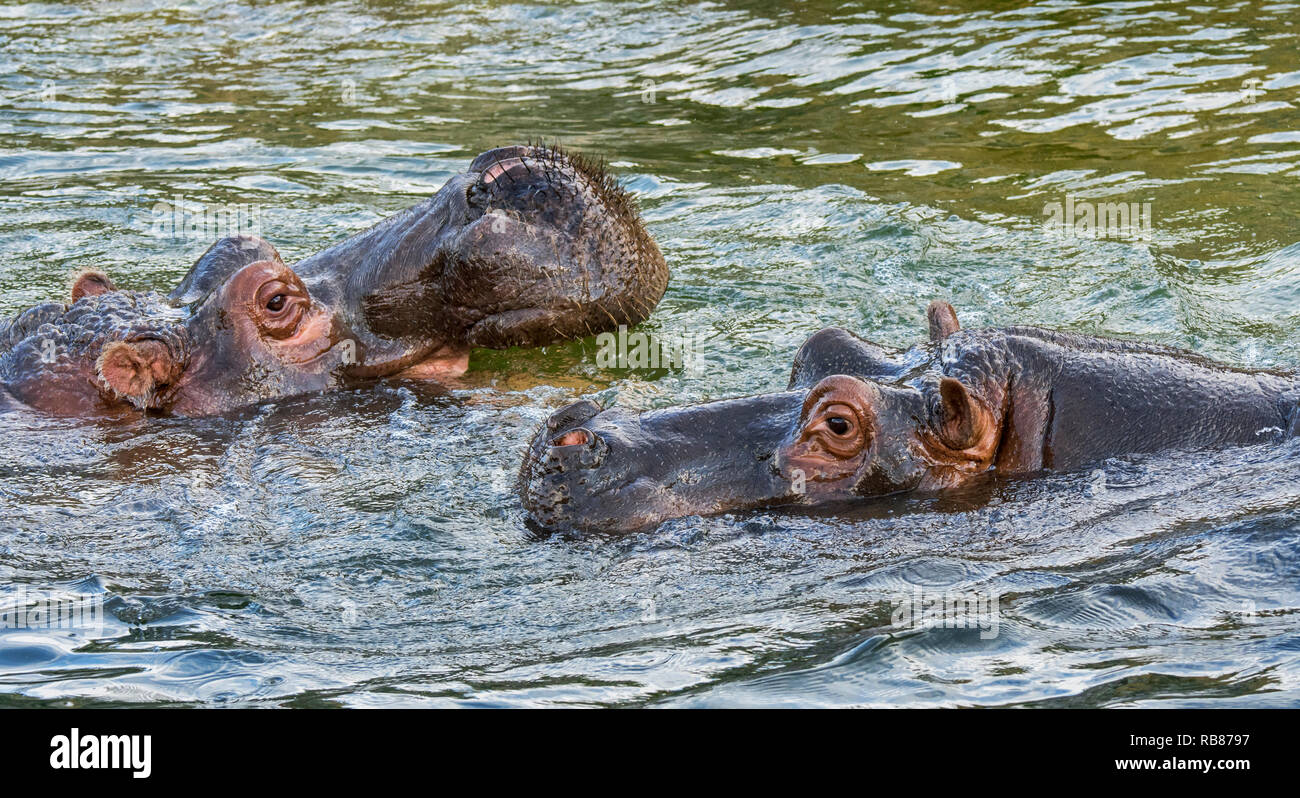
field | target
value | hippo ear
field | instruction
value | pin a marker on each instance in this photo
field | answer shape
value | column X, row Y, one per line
column 91, row 283
column 943, row 320
column 135, row 370
column 215, row 266
column 962, row 419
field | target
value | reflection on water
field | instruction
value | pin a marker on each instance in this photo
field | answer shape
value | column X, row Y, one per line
column 830, row 164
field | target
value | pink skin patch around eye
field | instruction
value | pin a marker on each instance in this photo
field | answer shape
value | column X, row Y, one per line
column 499, row 168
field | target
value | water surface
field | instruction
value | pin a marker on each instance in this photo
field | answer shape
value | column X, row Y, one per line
column 833, row 164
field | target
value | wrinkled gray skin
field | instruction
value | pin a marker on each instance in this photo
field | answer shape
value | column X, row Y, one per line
column 1038, row 399
column 529, row 246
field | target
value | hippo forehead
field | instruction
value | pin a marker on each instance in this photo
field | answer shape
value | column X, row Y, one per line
column 214, row 267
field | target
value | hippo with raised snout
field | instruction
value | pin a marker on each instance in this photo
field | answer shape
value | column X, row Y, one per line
column 528, row 247
column 860, row 421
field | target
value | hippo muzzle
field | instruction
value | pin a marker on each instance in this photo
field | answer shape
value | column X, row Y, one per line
column 529, row 246
column 617, row 470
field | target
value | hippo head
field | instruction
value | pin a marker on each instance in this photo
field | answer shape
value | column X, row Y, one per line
column 883, row 427
column 260, row 334
column 528, row 247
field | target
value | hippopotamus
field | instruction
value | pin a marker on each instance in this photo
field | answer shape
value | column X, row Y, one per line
column 859, row 420
column 529, row 246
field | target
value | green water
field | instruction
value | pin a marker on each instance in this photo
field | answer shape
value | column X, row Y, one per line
column 826, row 164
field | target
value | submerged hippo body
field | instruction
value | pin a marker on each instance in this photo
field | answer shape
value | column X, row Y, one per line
column 859, row 421
column 529, row 246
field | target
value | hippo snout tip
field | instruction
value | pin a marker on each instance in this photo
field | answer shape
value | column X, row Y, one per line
column 562, row 458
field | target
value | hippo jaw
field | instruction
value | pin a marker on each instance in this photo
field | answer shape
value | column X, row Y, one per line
column 529, row 247
column 619, row 471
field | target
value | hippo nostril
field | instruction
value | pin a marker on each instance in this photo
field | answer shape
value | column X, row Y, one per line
column 509, row 168
column 574, row 437
column 500, row 154
column 566, row 448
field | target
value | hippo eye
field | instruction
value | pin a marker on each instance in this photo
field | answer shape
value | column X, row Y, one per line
column 838, row 425
column 276, row 304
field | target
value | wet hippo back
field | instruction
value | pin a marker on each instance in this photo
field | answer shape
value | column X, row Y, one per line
column 1083, row 399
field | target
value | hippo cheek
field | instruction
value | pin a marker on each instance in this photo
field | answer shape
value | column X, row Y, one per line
column 815, row 474
column 617, row 471
column 321, row 344
column 229, row 370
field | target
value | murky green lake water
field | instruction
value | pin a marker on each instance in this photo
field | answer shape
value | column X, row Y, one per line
column 832, row 164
